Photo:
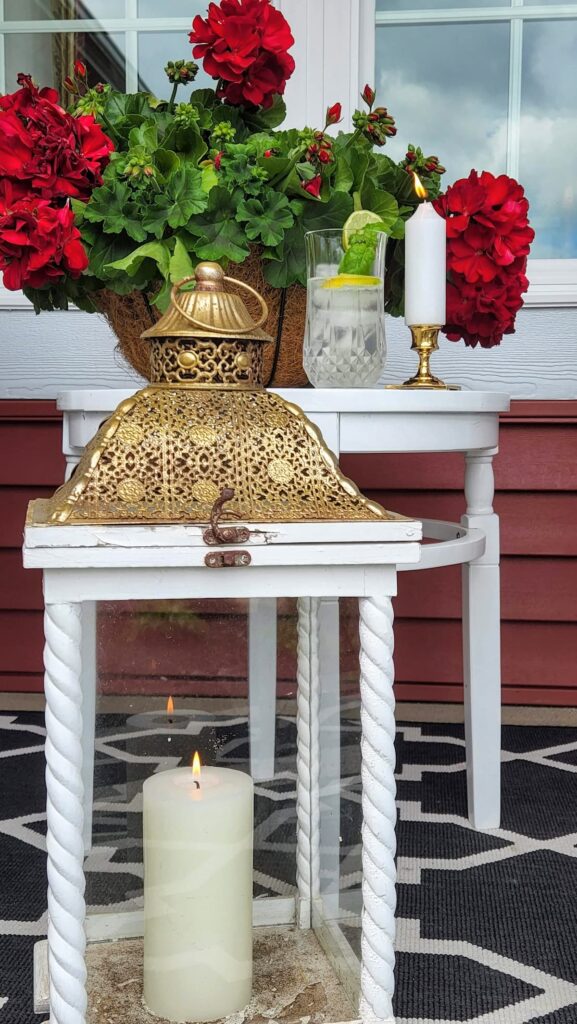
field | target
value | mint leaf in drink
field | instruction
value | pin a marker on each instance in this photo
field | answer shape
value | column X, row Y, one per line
column 360, row 255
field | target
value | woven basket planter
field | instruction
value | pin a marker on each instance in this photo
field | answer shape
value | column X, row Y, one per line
column 130, row 315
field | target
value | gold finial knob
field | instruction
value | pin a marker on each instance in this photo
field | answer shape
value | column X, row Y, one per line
column 209, row 277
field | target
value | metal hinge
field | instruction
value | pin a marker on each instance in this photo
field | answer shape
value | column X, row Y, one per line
column 226, row 559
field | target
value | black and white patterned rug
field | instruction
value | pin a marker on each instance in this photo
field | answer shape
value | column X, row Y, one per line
column 487, row 922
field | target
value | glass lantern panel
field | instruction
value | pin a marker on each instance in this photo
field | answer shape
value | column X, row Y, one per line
column 172, row 679
column 336, row 914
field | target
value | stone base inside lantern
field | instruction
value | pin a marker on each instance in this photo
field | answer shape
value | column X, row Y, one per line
column 294, row 982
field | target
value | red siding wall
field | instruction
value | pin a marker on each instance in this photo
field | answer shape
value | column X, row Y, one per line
column 536, row 475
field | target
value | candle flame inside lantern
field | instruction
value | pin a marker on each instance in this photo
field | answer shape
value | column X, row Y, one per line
column 196, row 769
column 169, row 706
column 419, row 187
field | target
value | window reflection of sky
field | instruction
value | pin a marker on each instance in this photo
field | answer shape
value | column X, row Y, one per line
column 447, row 86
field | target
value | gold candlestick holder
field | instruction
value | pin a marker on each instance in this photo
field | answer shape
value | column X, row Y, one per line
column 425, row 342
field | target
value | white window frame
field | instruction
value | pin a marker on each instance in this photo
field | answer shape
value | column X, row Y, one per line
column 553, row 282
column 335, row 54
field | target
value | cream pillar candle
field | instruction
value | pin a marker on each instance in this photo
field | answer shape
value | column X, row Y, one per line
column 425, row 267
column 197, row 893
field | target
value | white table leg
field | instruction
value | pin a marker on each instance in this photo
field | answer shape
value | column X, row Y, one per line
column 88, row 659
column 482, row 647
column 66, row 907
column 307, row 758
column 379, row 810
column 262, row 662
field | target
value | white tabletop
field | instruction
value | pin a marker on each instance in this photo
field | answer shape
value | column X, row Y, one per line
column 335, row 400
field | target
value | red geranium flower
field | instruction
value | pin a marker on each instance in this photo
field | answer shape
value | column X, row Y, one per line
column 38, row 242
column 243, row 44
column 488, row 241
column 57, row 155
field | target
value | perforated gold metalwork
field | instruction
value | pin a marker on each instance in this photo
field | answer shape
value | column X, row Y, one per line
column 206, row 426
column 193, row 443
column 203, row 361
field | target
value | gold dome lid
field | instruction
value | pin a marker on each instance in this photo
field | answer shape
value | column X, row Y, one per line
column 209, row 311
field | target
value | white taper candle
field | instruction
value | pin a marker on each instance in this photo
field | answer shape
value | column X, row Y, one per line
column 425, row 267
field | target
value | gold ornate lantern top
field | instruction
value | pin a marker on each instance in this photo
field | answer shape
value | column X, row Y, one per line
column 204, row 428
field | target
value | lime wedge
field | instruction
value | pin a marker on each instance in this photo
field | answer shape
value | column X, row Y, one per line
column 351, row 281
column 356, row 222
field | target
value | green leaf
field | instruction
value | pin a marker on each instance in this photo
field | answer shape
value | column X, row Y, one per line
column 344, row 177
column 359, row 165
column 145, row 135
column 266, row 220
column 209, row 177
column 381, row 203
column 332, row 214
column 120, row 105
column 180, row 264
column 217, row 230
column 159, row 252
column 184, row 189
column 183, row 197
column 166, row 161
column 204, row 97
column 269, row 118
column 112, row 206
column 288, row 264
column 190, row 143
column 105, row 250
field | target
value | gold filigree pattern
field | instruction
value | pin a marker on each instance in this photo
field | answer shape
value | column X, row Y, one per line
column 168, row 452
column 204, row 361
column 264, row 447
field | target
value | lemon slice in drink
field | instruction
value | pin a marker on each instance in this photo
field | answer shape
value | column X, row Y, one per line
column 358, row 220
column 351, row 281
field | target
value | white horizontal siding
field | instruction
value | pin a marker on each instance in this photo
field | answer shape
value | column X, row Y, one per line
column 43, row 355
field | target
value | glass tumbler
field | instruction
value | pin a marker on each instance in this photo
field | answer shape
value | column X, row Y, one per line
column 344, row 343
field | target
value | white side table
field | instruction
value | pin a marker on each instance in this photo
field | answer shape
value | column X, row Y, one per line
column 376, row 420
column 311, row 561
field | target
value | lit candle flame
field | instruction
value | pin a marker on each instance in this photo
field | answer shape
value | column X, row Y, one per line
column 419, row 187
column 169, row 706
column 196, row 769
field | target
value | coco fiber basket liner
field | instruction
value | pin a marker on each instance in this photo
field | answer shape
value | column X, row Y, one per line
column 130, row 315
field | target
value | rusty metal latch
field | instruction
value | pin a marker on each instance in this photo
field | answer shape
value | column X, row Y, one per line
column 217, row 534
column 227, row 559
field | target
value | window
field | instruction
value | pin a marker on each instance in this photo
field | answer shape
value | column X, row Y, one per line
column 123, row 42
column 491, row 85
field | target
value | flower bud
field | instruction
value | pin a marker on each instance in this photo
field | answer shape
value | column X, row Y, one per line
column 368, row 95
column 79, row 69
column 70, row 86
column 100, row 87
column 333, row 115
column 325, row 156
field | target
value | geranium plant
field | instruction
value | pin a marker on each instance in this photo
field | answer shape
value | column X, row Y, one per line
column 129, row 192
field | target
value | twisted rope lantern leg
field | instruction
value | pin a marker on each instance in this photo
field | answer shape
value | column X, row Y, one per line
column 379, row 810
column 66, row 908
column 308, row 809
